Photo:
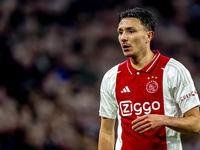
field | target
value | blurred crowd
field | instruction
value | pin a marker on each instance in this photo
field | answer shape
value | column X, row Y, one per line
column 53, row 55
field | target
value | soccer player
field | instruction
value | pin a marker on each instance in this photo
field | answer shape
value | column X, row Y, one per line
column 153, row 97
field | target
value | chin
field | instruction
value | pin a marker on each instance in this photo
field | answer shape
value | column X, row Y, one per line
column 128, row 54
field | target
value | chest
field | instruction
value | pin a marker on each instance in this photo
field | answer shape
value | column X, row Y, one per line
column 140, row 93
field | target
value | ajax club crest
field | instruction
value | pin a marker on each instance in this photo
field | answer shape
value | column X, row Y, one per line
column 152, row 85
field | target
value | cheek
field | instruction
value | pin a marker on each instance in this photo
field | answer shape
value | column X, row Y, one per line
column 139, row 39
column 119, row 39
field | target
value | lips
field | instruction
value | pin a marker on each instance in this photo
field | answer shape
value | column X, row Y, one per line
column 125, row 46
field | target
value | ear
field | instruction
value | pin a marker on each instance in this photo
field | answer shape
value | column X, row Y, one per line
column 150, row 35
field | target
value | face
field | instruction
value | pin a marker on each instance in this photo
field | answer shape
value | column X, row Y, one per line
column 133, row 37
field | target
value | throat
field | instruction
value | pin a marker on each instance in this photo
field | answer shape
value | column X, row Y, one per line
column 139, row 63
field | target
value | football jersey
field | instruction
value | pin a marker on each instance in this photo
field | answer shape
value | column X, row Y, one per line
column 163, row 87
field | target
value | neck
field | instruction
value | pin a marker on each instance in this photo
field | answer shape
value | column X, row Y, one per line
column 139, row 62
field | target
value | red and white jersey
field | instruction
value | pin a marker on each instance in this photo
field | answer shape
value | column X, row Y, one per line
column 164, row 87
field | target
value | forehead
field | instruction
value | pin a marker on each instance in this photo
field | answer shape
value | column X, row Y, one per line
column 130, row 22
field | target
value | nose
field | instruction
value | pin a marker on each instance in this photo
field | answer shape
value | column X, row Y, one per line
column 123, row 37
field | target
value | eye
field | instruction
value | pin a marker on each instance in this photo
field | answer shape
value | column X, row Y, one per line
column 131, row 31
column 120, row 32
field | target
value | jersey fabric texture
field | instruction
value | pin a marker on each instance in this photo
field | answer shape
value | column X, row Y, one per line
column 164, row 87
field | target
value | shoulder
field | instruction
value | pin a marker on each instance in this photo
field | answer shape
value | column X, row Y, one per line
column 177, row 71
column 176, row 66
column 113, row 71
column 109, row 79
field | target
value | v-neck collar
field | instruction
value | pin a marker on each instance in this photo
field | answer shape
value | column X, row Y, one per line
column 148, row 67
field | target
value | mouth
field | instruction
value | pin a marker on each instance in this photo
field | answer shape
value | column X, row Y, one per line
column 126, row 47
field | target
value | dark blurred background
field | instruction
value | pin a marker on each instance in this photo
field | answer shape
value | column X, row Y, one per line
column 53, row 55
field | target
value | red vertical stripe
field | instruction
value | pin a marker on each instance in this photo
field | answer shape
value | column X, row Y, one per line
column 145, row 97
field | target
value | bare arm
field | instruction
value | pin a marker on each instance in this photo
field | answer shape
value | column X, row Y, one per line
column 107, row 134
column 190, row 123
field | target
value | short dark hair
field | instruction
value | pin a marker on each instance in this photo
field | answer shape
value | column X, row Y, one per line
column 147, row 18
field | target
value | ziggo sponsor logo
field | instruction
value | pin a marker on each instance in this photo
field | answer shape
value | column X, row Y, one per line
column 127, row 107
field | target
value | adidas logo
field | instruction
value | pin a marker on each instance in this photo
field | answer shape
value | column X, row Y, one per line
column 125, row 90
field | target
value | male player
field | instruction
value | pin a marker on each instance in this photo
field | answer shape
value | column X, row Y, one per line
column 153, row 96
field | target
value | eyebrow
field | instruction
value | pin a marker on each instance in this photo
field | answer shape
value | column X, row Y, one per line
column 118, row 29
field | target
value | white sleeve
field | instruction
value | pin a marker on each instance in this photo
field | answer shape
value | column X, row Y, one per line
column 182, row 87
column 108, row 102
